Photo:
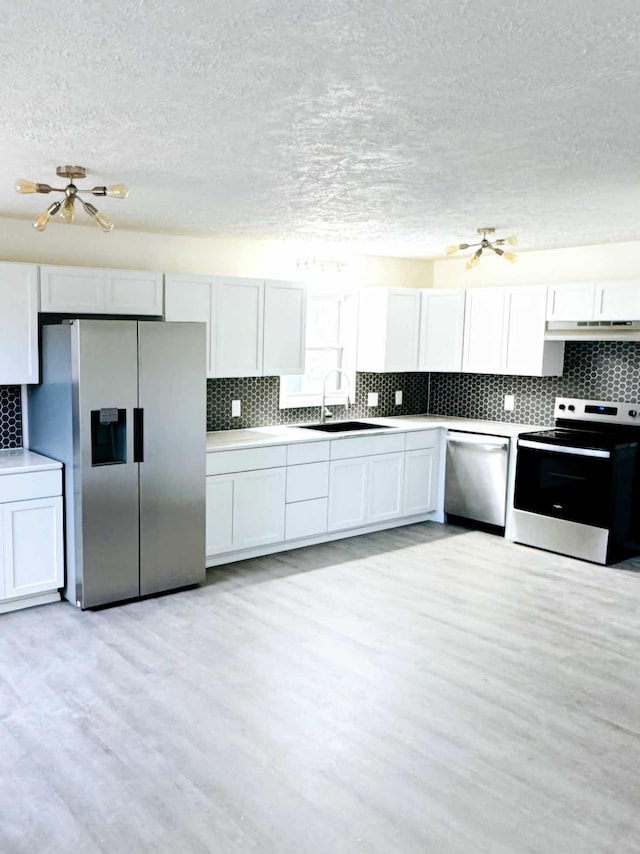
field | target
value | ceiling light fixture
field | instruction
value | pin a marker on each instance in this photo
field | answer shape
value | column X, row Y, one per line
column 65, row 207
column 485, row 243
column 324, row 265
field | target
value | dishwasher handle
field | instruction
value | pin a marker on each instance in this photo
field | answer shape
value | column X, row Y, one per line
column 478, row 440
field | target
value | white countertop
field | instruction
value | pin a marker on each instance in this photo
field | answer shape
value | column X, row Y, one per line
column 19, row 461
column 282, row 434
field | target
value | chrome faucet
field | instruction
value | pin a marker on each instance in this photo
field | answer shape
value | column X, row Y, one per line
column 323, row 410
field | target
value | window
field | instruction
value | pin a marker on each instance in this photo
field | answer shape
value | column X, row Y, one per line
column 330, row 345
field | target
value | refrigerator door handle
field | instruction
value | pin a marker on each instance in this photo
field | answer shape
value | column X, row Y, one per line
column 138, row 435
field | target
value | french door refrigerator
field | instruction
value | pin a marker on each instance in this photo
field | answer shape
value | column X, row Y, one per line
column 123, row 405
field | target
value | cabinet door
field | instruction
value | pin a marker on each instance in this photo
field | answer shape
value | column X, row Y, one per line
column 420, row 481
column 72, row 290
column 441, row 330
column 384, row 487
column 617, row 301
column 132, row 292
column 33, row 546
column 258, row 507
column 483, row 330
column 570, row 301
column 403, row 329
column 348, row 493
column 524, row 328
column 219, row 515
column 190, row 298
column 18, row 324
column 238, row 327
column 285, row 319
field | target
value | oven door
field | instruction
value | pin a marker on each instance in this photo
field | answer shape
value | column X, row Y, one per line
column 566, row 483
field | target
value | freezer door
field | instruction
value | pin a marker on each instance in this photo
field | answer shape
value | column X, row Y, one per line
column 105, row 393
column 172, row 448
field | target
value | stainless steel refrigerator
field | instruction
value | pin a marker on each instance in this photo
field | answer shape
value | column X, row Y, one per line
column 123, row 405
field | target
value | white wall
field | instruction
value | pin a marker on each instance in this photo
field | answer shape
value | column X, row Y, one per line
column 81, row 245
column 581, row 264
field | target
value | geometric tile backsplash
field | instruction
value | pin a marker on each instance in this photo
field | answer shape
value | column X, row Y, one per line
column 10, row 417
column 260, row 398
column 596, row 370
column 600, row 370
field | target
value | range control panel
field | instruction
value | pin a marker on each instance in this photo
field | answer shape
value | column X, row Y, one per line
column 598, row 411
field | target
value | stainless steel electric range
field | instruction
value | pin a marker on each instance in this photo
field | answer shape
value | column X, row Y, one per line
column 576, row 484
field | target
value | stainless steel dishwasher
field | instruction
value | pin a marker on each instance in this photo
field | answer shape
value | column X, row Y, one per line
column 476, row 477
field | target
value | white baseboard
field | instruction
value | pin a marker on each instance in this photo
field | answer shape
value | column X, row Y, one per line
column 28, row 601
column 287, row 545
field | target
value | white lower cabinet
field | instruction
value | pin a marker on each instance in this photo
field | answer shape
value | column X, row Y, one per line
column 32, row 546
column 245, row 509
column 384, row 487
column 219, row 517
column 258, row 507
column 348, row 493
column 420, row 493
column 365, row 490
column 368, row 481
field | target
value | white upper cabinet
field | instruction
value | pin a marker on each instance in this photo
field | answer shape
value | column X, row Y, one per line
column 285, row 316
column 570, row 301
column 584, row 301
column 238, row 327
column 388, row 329
column 525, row 351
column 441, row 330
column 483, row 330
column 190, row 298
column 85, row 290
column 132, row 292
column 18, row 324
column 619, row 300
column 255, row 328
column 505, row 333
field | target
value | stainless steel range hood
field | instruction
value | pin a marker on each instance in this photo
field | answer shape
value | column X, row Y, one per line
column 593, row 330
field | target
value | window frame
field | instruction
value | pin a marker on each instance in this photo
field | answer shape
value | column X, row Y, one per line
column 346, row 343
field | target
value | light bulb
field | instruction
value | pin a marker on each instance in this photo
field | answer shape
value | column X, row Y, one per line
column 451, row 249
column 102, row 222
column 509, row 256
column 66, row 211
column 512, row 241
column 474, row 260
column 42, row 222
column 118, row 191
column 23, row 186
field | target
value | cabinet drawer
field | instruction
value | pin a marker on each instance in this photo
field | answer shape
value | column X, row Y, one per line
column 306, row 518
column 307, row 481
column 365, row 446
column 307, row 452
column 224, row 462
column 422, row 439
column 37, row 484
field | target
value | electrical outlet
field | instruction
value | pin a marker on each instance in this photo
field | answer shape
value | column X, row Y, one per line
column 399, row 398
column 372, row 398
column 236, row 408
column 509, row 402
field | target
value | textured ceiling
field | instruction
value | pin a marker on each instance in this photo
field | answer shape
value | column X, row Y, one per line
column 396, row 125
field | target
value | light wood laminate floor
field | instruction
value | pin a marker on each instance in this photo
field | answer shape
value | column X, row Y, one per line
column 425, row 690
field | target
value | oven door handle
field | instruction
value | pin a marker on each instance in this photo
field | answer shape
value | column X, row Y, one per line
column 562, row 449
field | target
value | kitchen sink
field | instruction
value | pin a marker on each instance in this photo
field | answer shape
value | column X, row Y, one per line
column 344, row 426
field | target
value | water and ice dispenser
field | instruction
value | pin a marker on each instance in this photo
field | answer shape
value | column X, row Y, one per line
column 108, row 436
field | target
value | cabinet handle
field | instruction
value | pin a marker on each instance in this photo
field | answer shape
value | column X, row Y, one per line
column 138, row 435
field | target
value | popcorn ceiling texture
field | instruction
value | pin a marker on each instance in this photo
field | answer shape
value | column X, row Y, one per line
column 10, row 417
column 399, row 126
column 260, row 398
column 602, row 370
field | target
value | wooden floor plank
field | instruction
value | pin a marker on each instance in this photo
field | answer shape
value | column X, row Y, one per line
column 425, row 689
